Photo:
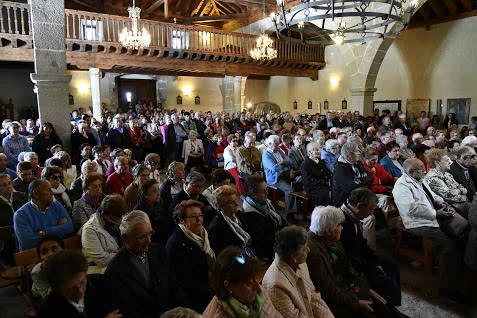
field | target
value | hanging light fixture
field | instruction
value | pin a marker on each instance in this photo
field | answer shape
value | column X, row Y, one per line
column 263, row 46
column 343, row 21
column 135, row 39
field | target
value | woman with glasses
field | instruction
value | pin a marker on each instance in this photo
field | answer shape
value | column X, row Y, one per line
column 54, row 175
column 43, row 142
column 383, row 182
column 193, row 152
column 225, row 228
column 287, row 281
column 90, row 200
column 391, row 162
column 100, row 235
column 236, row 277
column 316, row 175
column 69, row 170
column 189, row 244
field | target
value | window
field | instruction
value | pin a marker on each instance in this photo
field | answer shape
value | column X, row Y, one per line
column 180, row 39
column 92, row 30
column 128, row 97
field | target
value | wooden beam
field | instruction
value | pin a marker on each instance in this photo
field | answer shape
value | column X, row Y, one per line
column 437, row 7
column 217, row 17
column 185, row 7
column 153, row 7
column 458, row 16
column 467, row 4
column 250, row 3
column 225, row 8
column 451, row 6
column 425, row 11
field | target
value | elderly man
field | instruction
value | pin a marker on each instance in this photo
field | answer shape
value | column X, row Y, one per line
column 175, row 136
column 402, row 125
column 297, row 153
column 199, row 123
column 14, row 143
column 466, row 158
column 248, row 158
column 119, row 180
column 142, row 283
column 193, row 187
column 33, row 158
column 423, row 213
column 10, row 200
column 40, row 216
column 118, row 135
column 25, row 177
column 3, row 166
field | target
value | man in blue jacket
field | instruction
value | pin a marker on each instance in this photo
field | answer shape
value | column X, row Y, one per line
column 40, row 216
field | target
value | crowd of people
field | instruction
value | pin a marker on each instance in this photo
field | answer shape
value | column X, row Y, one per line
column 175, row 217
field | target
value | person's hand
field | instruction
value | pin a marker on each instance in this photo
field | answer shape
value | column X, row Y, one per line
column 365, row 305
column 62, row 221
column 377, row 297
column 114, row 314
column 441, row 212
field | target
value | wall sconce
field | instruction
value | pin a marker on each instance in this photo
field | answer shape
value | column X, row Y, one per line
column 249, row 105
column 179, row 100
column 310, row 104
column 325, row 104
column 334, row 81
column 344, row 104
column 295, row 105
column 197, row 100
column 187, row 90
column 83, row 88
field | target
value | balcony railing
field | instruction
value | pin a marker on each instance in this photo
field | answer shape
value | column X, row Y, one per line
column 103, row 29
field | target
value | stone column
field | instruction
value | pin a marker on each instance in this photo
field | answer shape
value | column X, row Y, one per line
column 95, row 81
column 228, row 94
column 362, row 100
column 50, row 78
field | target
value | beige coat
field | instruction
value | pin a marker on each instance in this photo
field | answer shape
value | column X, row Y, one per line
column 293, row 293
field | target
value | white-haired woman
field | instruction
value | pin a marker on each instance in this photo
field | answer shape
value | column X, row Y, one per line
column 316, row 176
column 277, row 168
column 342, row 286
column 193, row 152
column 76, row 188
column 331, row 153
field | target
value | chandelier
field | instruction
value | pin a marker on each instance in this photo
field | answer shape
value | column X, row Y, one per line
column 342, row 21
column 135, row 39
column 264, row 49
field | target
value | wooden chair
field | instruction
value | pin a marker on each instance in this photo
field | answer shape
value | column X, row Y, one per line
column 274, row 192
column 425, row 257
column 307, row 203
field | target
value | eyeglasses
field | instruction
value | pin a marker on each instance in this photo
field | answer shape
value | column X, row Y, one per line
column 195, row 217
column 241, row 258
column 235, row 140
column 145, row 237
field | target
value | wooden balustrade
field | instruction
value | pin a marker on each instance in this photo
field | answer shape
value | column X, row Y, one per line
column 14, row 18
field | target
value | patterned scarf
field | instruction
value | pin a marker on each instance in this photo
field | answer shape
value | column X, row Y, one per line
column 235, row 309
column 265, row 209
column 202, row 241
column 236, row 227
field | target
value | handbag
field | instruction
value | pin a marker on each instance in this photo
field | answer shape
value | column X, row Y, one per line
column 454, row 226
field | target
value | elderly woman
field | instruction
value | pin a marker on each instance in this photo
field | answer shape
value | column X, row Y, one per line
column 140, row 174
column 230, row 160
column 382, row 181
column 173, row 184
column 289, row 266
column 345, row 290
column 225, row 228
column 193, row 152
column 316, row 175
column 69, row 170
column 277, row 168
column 152, row 161
column 287, row 143
column 237, row 291
column 100, row 236
column 391, row 162
column 260, row 218
column 53, row 174
column 43, row 142
column 330, row 154
column 189, row 244
column 443, row 183
column 404, row 151
column 76, row 188
column 90, row 200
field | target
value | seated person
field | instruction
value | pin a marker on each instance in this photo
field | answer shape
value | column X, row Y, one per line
column 90, row 200
column 343, row 287
column 248, row 158
column 173, row 184
column 460, row 170
column 290, row 299
column 316, row 176
column 102, row 164
column 382, row 273
column 230, row 160
column 100, row 236
column 391, row 162
column 192, row 190
column 25, row 176
column 382, row 181
column 260, row 219
column 76, row 188
column 226, row 229
column 40, row 216
column 160, row 218
column 49, row 245
column 443, row 183
column 141, row 281
column 237, row 291
column 74, row 294
column 153, row 161
column 219, row 178
column 422, row 212
column 141, row 174
column 54, row 176
column 3, row 166
column 119, row 180
column 331, row 153
column 190, row 254
column 10, row 200
column 298, row 153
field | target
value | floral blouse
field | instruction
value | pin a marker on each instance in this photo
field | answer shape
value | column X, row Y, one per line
column 443, row 183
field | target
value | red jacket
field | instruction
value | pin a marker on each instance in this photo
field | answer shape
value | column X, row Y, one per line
column 116, row 185
column 381, row 178
column 136, row 138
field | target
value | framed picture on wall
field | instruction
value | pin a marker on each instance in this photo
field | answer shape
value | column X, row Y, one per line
column 392, row 105
column 461, row 108
column 310, row 104
column 439, row 107
column 416, row 106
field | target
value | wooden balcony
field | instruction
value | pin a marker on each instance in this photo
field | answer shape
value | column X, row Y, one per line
column 92, row 40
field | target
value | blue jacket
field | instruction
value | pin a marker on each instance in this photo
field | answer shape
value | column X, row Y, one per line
column 271, row 168
column 390, row 167
column 329, row 159
column 28, row 220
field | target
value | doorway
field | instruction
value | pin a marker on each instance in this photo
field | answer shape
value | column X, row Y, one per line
column 132, row 90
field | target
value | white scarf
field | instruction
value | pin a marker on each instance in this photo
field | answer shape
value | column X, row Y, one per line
column 237, row 229
column 202, row 241
column 62, row 191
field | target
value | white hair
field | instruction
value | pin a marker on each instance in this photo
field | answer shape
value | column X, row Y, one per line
column 27, row 155
column 325, row 218
column 416, row 136
column 348, row 148
column 470, row 141
column 87, row 166
column 131, row 220
column 330, row 143
column 312, row 145
column 271, row 140
column 317, row 134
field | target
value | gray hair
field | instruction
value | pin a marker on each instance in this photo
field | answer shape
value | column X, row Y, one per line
column 271, row 140
column 470, row 141
column 410, row 164
column 325, row 218
column 416, row 136
column 193, row 132
column 330, row 143
column 349, row 148
column 27, row 155
column 401, row 138
column 463, row 151
column 195, row 176
column 87, row 166
column 317, row 134
column 180, row 312
column 312, row 145
column 289, row 240
column 131, row 220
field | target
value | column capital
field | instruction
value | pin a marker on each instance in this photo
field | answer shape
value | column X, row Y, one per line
column 363, row 91
column 49, row 79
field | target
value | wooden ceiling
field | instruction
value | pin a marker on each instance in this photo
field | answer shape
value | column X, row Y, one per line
column 222, row 14
column 439, row 11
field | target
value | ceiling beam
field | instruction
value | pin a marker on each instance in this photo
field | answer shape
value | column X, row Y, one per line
column 225, row 8
column 81, row 3
column 249, row 3
column 153, row 7
column 425, row 11
column 217, row 17
column 451, row 6
column 467, row 4
column 458, row 16
column 437, row 7
column 185, row 7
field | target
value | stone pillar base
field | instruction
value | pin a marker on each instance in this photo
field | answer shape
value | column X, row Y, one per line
column 52, row 96
column 362, row 100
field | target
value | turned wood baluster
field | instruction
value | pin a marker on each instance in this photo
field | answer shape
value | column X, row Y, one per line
column 15, row 17
column 9, row 29
column 23, row 19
